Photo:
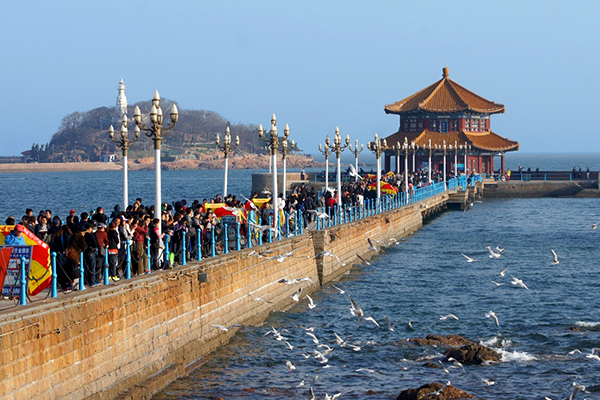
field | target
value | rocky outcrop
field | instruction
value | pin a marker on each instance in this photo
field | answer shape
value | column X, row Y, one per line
column 434, row 391
column 473, row 354
column 438, row 340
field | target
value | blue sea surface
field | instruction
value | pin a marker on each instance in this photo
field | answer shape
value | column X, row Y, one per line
column 420, row 280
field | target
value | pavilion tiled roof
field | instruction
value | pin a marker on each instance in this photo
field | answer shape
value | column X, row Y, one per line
column 486, row 141
column 444, row 96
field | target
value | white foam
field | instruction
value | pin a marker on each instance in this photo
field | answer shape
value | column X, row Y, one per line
column 518, row 356
column 587, row 324
column 496, row 341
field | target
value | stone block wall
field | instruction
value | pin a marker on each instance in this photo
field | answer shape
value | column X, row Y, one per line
column 130, row 339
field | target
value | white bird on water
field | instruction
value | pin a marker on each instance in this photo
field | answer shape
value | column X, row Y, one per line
column 469, row 259
column 554, row 257
column 517, row 281
column 493, row 254
column 493, row 316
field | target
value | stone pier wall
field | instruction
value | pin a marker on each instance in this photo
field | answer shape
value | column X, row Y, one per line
column 130, row 339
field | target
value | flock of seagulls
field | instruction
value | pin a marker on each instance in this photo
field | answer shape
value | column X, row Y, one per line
column 321, row 353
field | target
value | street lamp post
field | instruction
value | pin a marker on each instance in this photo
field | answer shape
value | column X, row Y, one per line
column 377, row 147
column 325, row 151
column 273, row 141
column 338, row 148
column 356, row 151
column 455, row 159
column 284, row 150
column 157, row 132
column 467, row 148
column 226, row 148
column 124, row 143
column 429, row 148
column 444, row 147
column 414, row 152
column 405, row 147
column 398, row 149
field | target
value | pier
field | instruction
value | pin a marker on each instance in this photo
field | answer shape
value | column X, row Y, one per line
column 130, row 339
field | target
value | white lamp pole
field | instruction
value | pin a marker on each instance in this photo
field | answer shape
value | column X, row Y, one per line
column 284, row 150
column 338, row 148
column 414, row 151
column 465, row 158
column 444, row 164
column 378, row 147
column 429, row 171
column 226, row 148
column 157, row 132
column 325, row 152
column 124, row 143
column 273, row 142
column 405, row 166
column 455, row 159
column 356, row 151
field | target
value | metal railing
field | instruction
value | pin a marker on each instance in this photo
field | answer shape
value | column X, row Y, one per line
column 233, row 235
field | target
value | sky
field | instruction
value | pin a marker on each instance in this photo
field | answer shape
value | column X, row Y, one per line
column 315, row 64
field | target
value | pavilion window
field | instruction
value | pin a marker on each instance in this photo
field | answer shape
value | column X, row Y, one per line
column 454, row 125
column 467, row 124
column 433, row 125
column 475, row 125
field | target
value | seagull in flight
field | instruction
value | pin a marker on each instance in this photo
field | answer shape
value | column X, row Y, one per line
column 335, row 396
column 296, row 295
column 282, row 257
column 371, row 245
column 573, row 352
column 554, row 257
column 311, row 303
column 493, row 316
column 493, row 254
column 391, row 326
column 356, row 310
column 259, row 298
column 286, row 281
column 371, row 319
column 352, row 172
column 314, row 338
column 339, row 290
column 224, row 328
column 328, row 253
column 517, row 281
column 496, row 283
column 576, row 388
column 445, row 317
column 594, row 226
column 363, row 260
column 290, row 366
column 504, row 272
column 469, row 259
column 305, row 279
column 319, row 215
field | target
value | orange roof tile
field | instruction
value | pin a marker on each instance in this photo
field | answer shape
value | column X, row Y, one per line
column 487, row 141
column 444, row 95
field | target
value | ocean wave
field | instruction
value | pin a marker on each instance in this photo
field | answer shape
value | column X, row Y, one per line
column 587, row 324
column 518, row 356
column 496, row 341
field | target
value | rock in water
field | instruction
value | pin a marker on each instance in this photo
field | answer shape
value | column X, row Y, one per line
column 428, row 392
column 472, row 354
column 439, row 340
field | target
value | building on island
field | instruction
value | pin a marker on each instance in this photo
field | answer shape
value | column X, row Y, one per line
column 445, row 114
column 121, row 100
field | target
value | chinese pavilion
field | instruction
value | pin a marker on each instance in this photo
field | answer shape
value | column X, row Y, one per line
column 446, row 118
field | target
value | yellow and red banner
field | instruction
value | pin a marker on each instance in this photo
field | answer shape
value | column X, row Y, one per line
column 385, row 188
column 40, row 259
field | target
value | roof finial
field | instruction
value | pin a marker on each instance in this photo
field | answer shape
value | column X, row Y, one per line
column 445, row 72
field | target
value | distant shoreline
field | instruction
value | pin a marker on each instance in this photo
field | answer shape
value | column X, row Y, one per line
column 247, row 162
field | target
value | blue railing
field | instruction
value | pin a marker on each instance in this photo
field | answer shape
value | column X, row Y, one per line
column 233, row 238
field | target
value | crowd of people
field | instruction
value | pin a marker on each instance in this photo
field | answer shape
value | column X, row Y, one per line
column 101, row 239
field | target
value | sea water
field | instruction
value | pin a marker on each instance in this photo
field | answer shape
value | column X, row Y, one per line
column 420, row 280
